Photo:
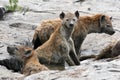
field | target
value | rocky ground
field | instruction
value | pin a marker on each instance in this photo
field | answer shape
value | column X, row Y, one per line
column 16, row 27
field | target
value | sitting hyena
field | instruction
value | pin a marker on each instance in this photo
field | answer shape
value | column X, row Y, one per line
column 60, row 45
column 98, row 23
column 110, row 51
column 29, row 60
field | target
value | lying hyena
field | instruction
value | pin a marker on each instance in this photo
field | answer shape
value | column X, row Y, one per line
column 60, row 45
column 98, row 23
column 30, row 62
column 110, row 51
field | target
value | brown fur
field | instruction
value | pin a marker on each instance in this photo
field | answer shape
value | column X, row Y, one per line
column 110, row 51
column 98, row 23
column 60, row 45
column 116, row 49
column 30, row 60
column 46, row 27
column 105, row 53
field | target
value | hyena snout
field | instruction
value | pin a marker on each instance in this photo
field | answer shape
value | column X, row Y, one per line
column 71, row 25
column 108, row 30
column 112, row 32
column 11, row 49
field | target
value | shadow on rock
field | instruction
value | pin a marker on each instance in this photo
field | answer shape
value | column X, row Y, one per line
column 23, row 26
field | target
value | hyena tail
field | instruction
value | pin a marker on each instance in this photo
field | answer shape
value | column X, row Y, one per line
column 36, row 42
column 12, row 64
column 87, row 57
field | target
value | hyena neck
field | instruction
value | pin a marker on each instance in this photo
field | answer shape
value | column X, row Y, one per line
column 31, row 59
column 65, row 32
column 93, row 29
column 94, row 25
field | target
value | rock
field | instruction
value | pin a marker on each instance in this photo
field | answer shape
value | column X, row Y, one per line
column 1, row 45
column 68, row 74
column 89, row 70
column 23, row 26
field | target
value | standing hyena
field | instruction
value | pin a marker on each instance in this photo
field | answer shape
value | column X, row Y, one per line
column 98, row 23
column 29, row 60
column 60, row 45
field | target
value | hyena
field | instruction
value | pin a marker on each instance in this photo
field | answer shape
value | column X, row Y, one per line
column 110, row 51
column 30, row 62
column 98, row 23
column 60, row 45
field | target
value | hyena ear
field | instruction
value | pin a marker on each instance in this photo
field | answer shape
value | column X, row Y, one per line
column 62, row 15
column 36, row 41
column 111, row 18
column 77, row 14
column 102, row 19
column 28, row 53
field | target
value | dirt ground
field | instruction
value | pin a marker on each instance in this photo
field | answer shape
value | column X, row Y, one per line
column 16, row 27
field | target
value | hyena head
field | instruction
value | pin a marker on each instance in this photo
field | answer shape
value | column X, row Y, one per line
column 69, row 20
column 106, row 25
column 20, row 52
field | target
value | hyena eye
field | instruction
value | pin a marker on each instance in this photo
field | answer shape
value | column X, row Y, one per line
column 108, row 25
column 27, row 52
column 16, row 48
column 67, row 19
column 73, row 19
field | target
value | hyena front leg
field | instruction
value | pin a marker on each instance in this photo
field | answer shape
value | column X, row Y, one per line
column 68, row 60
column 74, row 57
column 72, row 53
